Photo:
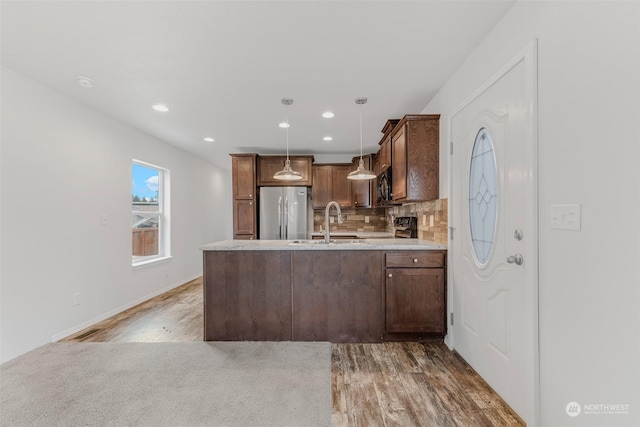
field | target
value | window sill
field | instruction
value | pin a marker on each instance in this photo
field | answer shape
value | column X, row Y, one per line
column 149, row 262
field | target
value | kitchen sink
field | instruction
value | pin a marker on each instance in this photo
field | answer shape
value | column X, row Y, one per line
column 331, row 242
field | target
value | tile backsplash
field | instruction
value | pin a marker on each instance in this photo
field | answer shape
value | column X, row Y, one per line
column 437, row 209
column 381, row 219
column 353, row 220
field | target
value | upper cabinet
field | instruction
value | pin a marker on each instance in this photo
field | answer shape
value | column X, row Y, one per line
column 415, row 158
column 269, row 165
column 243, row 168
column 399, row 153
column 243, row 178
column 330, row 183
column 384, row 154
column 362, row 190
column 383, row 161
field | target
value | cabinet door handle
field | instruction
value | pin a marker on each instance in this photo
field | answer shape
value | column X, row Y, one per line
column 415, row 260
column 251, row 203
column 390, row 275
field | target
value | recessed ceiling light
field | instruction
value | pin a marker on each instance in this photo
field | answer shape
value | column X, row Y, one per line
column 327, row 115
column 209, row 139
column 85, row 82
column 327, row 138
column 160, row 107
column 284, row 125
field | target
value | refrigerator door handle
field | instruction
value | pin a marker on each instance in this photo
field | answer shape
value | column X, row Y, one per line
column 286, row 219
column 280, row 217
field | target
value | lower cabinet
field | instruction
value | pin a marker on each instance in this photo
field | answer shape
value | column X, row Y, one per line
column 323, row 295
column 244, row 219
column 415, row 292
column 337, row 296
column 247, row 295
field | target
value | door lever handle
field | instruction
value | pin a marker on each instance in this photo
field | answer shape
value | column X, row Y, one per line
column 515, row 259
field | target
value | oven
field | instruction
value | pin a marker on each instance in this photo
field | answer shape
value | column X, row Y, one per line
column 406, row 227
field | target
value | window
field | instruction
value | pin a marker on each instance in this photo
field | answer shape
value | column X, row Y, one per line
column 483, row 197
column 150, row 213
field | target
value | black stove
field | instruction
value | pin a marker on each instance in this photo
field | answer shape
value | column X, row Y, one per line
column 406, row 227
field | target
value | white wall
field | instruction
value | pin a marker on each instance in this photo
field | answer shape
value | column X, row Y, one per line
column 63, row 166
column 589, row 149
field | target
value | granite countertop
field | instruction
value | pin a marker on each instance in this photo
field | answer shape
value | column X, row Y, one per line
column 359, row 234
column 368, row 244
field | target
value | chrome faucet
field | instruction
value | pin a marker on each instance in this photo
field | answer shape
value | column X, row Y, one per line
column 326, row 218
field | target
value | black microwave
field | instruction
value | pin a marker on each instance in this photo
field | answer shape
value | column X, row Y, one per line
column 383, row 188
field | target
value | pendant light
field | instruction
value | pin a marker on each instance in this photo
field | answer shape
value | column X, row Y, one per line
column 361, row 173
column 287, row 174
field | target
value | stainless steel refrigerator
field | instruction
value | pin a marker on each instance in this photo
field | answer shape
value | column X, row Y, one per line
column 284, row 212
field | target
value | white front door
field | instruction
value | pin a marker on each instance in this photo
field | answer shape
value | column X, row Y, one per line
column 494, row 246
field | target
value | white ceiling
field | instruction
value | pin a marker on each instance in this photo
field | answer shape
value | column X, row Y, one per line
column 223, row 66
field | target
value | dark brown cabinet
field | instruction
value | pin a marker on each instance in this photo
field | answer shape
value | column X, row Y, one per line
column 293, row 295
column 324, row 295
column 415, row 292
column 243, row 178
column 243, row 167
column 415, row 158
column 330, row 183
column 269, row 165
column 399, row 155
column 244, row 219
column 362, row 190
column 384, row 154
column 375, row 163
column 239, row 304
column 337, row 296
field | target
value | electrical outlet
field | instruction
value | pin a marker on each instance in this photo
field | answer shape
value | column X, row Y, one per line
column 331, row 220
column 366, row 219
column 430, row 220
column 424, row 220
column 76, row 299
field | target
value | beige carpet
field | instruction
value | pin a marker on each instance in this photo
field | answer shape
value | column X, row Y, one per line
column 168, row 384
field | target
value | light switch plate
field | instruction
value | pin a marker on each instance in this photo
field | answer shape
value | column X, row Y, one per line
column 566, row 217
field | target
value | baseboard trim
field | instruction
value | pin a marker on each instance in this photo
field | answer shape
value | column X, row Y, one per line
column 100, row 318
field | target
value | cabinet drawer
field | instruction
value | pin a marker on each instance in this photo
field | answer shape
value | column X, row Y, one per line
column 416, row 259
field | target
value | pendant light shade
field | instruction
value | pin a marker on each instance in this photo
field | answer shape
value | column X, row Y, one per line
column 361, row 173
column 287, row 174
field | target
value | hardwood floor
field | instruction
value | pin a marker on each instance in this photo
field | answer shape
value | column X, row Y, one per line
column 174, row 316
column 411, row 384
column 390, row 384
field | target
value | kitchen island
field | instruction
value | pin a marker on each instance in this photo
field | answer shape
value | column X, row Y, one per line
column 345, row 291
